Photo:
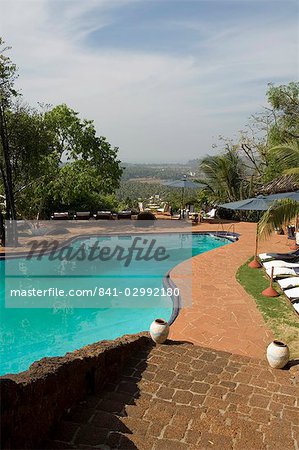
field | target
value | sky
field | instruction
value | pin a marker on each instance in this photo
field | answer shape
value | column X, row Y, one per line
column 162, row 79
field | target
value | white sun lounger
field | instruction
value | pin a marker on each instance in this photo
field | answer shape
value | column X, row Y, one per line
column 279, row 263
column 296, row 306
column 268, row 256
column 265, row 256
column 282, row 271
column 292, row 293
column 288, row 283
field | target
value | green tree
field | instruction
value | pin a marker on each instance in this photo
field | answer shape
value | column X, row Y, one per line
column 284, row 131
column 75, row 168
column 81, row 186
column 275, row 126
column 225, row 176
column 30, row 144
column 75, row 139
column 284, row 109
column 50, row 154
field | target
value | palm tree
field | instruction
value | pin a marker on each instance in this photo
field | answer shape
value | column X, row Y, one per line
column 287, row 157
column 280, row 213
column 225, row 176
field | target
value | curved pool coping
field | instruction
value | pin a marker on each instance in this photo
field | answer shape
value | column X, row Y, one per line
column 231, row 236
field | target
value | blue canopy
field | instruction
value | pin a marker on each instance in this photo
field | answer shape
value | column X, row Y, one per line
column 290, row 195
column 259, row 203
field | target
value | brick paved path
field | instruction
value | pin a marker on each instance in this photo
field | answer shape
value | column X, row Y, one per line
column 180, row 396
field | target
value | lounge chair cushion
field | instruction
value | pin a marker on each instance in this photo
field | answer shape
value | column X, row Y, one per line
column 288, row 283
column 282, row 256
column 292, row 293
column 266, row 256
column 279, row 263
column 282, row 271
column 60, row 216
column 296, row 306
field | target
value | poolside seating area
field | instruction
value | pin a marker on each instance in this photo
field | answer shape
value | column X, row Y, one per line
column 284, row 268
column 88, row 215
column 155, row 205
column 163, row 212
column 162, row 209
column 209, row 216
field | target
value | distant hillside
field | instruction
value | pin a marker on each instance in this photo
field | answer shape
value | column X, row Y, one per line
column 130, row 191
column 155, row 172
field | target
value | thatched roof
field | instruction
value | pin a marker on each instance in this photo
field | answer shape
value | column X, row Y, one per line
column 286, row 183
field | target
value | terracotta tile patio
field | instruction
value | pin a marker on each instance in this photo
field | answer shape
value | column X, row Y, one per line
column 223, row 316
column 180, row 396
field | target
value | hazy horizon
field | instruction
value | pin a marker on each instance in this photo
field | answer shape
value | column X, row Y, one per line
column 161, row 79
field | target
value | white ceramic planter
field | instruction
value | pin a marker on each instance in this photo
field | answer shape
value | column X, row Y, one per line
column 159, row 331
column 278, row 354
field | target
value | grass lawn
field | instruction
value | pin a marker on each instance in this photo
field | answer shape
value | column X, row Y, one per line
column 279, row 315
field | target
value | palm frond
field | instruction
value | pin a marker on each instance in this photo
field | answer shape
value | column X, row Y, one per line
column 287, row 155
column 225, row 175
column 280, row 213
column 294, row 171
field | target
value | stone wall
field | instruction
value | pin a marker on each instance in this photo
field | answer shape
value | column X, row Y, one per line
column 32, row 401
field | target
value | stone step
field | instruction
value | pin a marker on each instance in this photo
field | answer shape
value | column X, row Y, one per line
column 187, row 397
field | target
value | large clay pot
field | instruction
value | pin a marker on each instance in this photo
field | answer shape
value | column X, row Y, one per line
column 278, row 354
column 159, row 331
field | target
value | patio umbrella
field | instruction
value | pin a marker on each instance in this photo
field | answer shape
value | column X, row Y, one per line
column 183, row 184
column 259, row 203
column 291, row 195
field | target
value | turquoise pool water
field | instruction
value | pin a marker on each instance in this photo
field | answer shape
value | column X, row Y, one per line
column 31, row 332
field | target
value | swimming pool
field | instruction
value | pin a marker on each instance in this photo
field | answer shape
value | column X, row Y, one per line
column 31, row 332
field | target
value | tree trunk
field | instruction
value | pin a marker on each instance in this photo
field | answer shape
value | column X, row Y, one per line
column 2, row 231
column 6, row 171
